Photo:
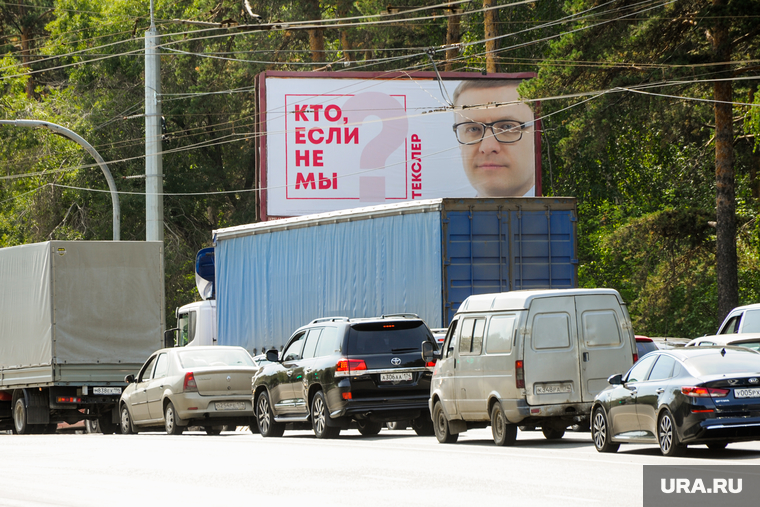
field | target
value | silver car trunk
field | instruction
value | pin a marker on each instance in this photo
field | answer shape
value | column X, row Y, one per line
column 230, row 380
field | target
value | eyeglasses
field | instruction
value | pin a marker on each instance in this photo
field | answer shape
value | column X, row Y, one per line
column 504, row 131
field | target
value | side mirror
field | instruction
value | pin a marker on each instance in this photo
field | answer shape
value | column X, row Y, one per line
column 616, row 379
column 129, row 378
column 429, row 353
column 170, row 339
column 273, row 356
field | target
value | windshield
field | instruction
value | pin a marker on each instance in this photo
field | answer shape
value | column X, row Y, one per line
column 387, row 337
column 735, row 361
column 193, row 358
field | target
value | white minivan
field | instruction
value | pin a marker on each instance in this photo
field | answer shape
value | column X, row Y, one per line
column 529, row 358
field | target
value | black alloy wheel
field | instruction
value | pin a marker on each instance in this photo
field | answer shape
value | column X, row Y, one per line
column 600, row 432
column 667, row 435
column 265, row 418
column 319, row 417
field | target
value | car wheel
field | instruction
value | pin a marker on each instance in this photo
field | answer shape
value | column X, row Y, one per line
column 553, row 433
column 127, row 428
column 319, row 418
column 600, row 432
column 441, row 426
column 213, row 430
column 667, row 435
column 265, row 418
column 106, row 425
column 20, row 424
column 503, row 432
column 170, row 421
column 423, row 425
column 717, row 446
column 368, row 428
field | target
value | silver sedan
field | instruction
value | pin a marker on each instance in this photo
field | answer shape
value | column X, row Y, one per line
column 191, row 386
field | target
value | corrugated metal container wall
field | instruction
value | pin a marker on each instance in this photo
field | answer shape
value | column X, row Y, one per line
column 516, row 244
column 271, row 283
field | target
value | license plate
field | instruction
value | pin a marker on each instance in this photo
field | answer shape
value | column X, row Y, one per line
column 230, row 405
column 106, row 390
column 554, row 388
column 747, row 393
column 395, row 377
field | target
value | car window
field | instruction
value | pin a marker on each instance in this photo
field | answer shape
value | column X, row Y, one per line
column 328, row 342
column 732, row 326
column 450, row 343
column 734, row 361
column 753, row 345
column 751, row 321
column 162, row 366
column 311, row 342
column 500, row 331
column 639, row 371
column 147, row 371
column 663, row 368
column 186, row 324
column 645, row 347
column 293, row 352
column 193, row 357
column 471, row 337
column 705, row 344
column 601, row 328
column 387, row 337
column 551, row 331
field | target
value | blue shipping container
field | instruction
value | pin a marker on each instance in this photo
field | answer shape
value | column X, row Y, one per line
column 421, row 257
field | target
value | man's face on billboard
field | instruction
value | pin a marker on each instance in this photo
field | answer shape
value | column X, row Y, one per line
column 497, row 169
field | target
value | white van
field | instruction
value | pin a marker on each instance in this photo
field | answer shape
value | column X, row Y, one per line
column 529, row 358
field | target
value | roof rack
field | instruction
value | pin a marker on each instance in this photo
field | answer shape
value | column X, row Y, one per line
column 403, row 315
column 328, row 319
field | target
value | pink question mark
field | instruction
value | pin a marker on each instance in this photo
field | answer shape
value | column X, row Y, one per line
column 393, row 134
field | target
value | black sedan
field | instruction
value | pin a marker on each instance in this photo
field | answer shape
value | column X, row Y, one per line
column 696, row 395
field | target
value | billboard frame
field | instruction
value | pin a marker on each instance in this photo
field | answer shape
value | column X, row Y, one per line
column 261, row 113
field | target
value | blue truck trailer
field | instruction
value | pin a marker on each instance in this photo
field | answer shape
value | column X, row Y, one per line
column 423, row 257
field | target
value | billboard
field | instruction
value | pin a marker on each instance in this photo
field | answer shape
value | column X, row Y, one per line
column 338, row 140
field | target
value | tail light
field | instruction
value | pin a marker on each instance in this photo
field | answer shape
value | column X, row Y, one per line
column 704, row 392
column 635, row 358
column 346, row 367
column 189, row 384
column 430, row 364
column 519, row 374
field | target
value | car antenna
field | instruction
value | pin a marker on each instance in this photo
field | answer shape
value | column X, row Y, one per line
column 723, row 352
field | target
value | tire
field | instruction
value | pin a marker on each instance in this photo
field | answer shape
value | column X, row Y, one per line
column 106, row 426
column 667, row 435
column 20, row 424
column 369, row 428
column 717, row 446
column 503, row 432
column 91, row 426
column 127, row 428
column 441, row 426
column 423, row 425
column 170, row 421
column 319, row 418
column 265, row 418
column 552, row 433
column 600, row 432
column 213, row 430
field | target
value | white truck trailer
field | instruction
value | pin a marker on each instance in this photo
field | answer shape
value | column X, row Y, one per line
column 76, row 317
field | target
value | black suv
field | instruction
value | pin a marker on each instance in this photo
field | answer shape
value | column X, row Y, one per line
column 337, row 370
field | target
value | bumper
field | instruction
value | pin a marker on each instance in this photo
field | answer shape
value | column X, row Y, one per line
column 518, row 410
column 726, row 429
column 383, row 410
column 193, row 406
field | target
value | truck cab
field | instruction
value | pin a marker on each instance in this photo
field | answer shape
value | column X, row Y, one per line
column 196, row 324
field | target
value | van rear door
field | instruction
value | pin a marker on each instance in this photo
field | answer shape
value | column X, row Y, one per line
column 551, row 354
column 605, row 341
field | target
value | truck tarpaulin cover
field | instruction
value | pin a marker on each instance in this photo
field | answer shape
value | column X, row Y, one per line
column 80, row 302
column 335, row 142
column 348, row 269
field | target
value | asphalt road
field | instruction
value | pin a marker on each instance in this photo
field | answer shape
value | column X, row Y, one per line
column 395, row 468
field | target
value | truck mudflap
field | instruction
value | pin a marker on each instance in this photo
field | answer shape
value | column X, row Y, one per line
column 518, row 410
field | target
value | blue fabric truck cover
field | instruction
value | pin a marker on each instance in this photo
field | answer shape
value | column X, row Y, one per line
column 271, row 283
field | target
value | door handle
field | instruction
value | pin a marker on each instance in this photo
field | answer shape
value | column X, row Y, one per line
column 660, row 390
column 585, row 357
column 632, row 389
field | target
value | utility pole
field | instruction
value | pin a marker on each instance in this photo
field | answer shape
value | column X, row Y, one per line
column 154, row 184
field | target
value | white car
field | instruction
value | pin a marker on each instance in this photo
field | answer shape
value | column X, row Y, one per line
column 190, row 386
column 747, row 340
column 742, row 319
